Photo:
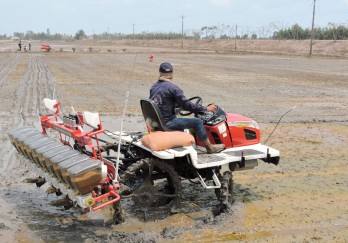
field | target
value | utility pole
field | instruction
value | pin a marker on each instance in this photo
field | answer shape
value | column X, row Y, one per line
column 312, row 34
column 108, row 36
column 133, row 33
column 182, row 30
column 235, row 40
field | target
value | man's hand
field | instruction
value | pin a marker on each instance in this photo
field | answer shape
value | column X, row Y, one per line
column 212, row 108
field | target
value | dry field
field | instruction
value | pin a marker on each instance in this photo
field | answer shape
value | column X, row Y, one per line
column 303, row 199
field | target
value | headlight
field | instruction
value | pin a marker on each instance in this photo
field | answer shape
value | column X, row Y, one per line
column 222, row 128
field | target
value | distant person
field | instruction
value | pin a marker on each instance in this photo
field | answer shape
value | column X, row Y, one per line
column 25, row 48
column 167, row 95
column 29, row 45
column 20, row 45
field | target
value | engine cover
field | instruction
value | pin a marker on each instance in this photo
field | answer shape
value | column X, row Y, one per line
column 243, row 130
column 233, row 131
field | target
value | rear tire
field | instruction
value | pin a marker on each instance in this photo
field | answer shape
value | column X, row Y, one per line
column 153, row 184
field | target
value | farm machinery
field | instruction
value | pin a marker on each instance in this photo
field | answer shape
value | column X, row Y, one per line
column 93, row 172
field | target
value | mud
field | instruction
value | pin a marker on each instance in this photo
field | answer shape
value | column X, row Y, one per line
column 303, row 199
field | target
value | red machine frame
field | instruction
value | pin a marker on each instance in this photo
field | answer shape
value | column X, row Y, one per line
column 110, row 185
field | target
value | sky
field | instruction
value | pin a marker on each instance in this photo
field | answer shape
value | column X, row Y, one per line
column 126, row 16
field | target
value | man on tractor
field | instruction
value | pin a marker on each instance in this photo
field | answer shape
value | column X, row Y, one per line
column 167, row 95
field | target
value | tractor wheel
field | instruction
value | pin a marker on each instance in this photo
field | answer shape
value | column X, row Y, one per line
column 152, row 184
column 225, row 193
column 118, row 216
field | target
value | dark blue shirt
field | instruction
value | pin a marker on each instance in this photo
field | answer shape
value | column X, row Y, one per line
column 167, row 95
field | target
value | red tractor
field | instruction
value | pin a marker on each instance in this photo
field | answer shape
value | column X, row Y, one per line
column 93, row 173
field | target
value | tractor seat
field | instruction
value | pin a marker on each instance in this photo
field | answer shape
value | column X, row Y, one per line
column 152, row 115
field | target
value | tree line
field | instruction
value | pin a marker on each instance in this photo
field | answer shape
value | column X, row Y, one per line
column 272, row 31
column 296, row 32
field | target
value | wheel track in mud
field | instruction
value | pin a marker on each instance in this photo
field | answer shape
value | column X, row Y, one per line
column 7, row 67
column 25, row 81
column 40, row 78
column 23, row 103
column 27, row 101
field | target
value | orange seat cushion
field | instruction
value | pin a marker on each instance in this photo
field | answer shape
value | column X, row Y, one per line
column 158, row 141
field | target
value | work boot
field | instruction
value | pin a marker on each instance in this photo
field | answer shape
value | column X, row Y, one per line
column 213, row 148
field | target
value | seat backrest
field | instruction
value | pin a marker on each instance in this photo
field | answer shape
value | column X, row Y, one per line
column 152, row 116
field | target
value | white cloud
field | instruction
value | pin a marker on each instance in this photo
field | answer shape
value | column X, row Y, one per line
column 221, row 2
column 62, row 8
column 129, row 1
column 257, row 7
column 345, row 2
column 100, row 2
column 188, row 6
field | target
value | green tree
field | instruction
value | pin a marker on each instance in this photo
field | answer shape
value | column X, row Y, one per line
column 48, row 32
column 296, row 31
column 80, row 34
column 19, row 35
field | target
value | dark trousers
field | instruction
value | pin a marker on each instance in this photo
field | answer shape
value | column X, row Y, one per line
column 188, row 123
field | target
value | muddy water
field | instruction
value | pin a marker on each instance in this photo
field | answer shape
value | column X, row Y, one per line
column 301, row 200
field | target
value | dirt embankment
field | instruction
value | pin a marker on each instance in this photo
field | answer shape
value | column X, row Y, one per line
column 324, row 48
column 303, row 199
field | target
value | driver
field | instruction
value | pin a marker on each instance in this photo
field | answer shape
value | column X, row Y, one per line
column 167, row 95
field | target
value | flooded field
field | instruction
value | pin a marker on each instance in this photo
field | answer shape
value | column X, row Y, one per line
column 303, row 199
